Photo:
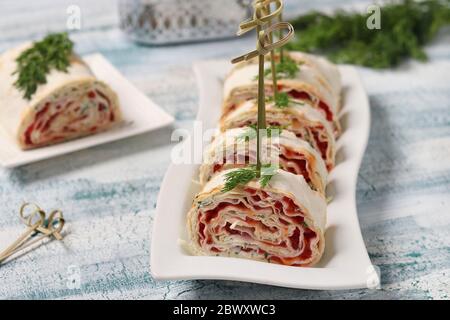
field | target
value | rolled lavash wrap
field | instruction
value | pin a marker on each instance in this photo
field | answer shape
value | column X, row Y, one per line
column 318, row 82
column 69, row 105
column 236, row 148
column 304, row 121
column 283, row 223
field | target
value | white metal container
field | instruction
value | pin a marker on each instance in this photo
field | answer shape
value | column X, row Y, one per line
column 174, row 21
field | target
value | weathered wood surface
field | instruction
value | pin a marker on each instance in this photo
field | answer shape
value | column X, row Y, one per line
column 108, row 193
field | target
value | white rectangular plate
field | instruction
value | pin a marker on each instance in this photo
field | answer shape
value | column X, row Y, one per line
column 140, row 115
column 345, row 263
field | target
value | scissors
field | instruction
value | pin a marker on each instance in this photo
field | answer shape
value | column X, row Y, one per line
column 35, row 219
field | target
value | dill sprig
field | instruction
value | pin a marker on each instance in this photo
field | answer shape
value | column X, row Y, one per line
column 250, row 132
column 33, row 65
column 238, row 177
column 242, row 176
column 406, row 26
column 282, row 100
column 267, row 172
column 271, row 129
column 287, row 68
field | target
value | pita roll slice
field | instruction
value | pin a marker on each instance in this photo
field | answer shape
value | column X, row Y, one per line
column 236, row 148
column 69, row 105
column 303, row 120
column 283, row 223
column 317, row 82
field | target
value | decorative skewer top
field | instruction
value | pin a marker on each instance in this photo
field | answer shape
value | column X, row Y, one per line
column 262, row 17
column 35, row 219
column 262, row 22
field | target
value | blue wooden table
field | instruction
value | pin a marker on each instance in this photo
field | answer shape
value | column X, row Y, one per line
column 108, row 193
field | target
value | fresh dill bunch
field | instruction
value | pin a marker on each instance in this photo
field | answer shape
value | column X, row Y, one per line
column 242, row 176
column 406, row 26
column 33, row 65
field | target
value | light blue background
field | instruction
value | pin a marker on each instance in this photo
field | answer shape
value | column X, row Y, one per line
column 108, row 193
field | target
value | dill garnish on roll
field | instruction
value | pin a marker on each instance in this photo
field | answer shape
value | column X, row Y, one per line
column 49, row 95
column 263, row 194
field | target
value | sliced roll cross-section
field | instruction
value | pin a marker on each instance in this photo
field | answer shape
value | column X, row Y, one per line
column 317, row 82
column 301, row 119
column 281, row 223
column 236, row 148
column 69, row 105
